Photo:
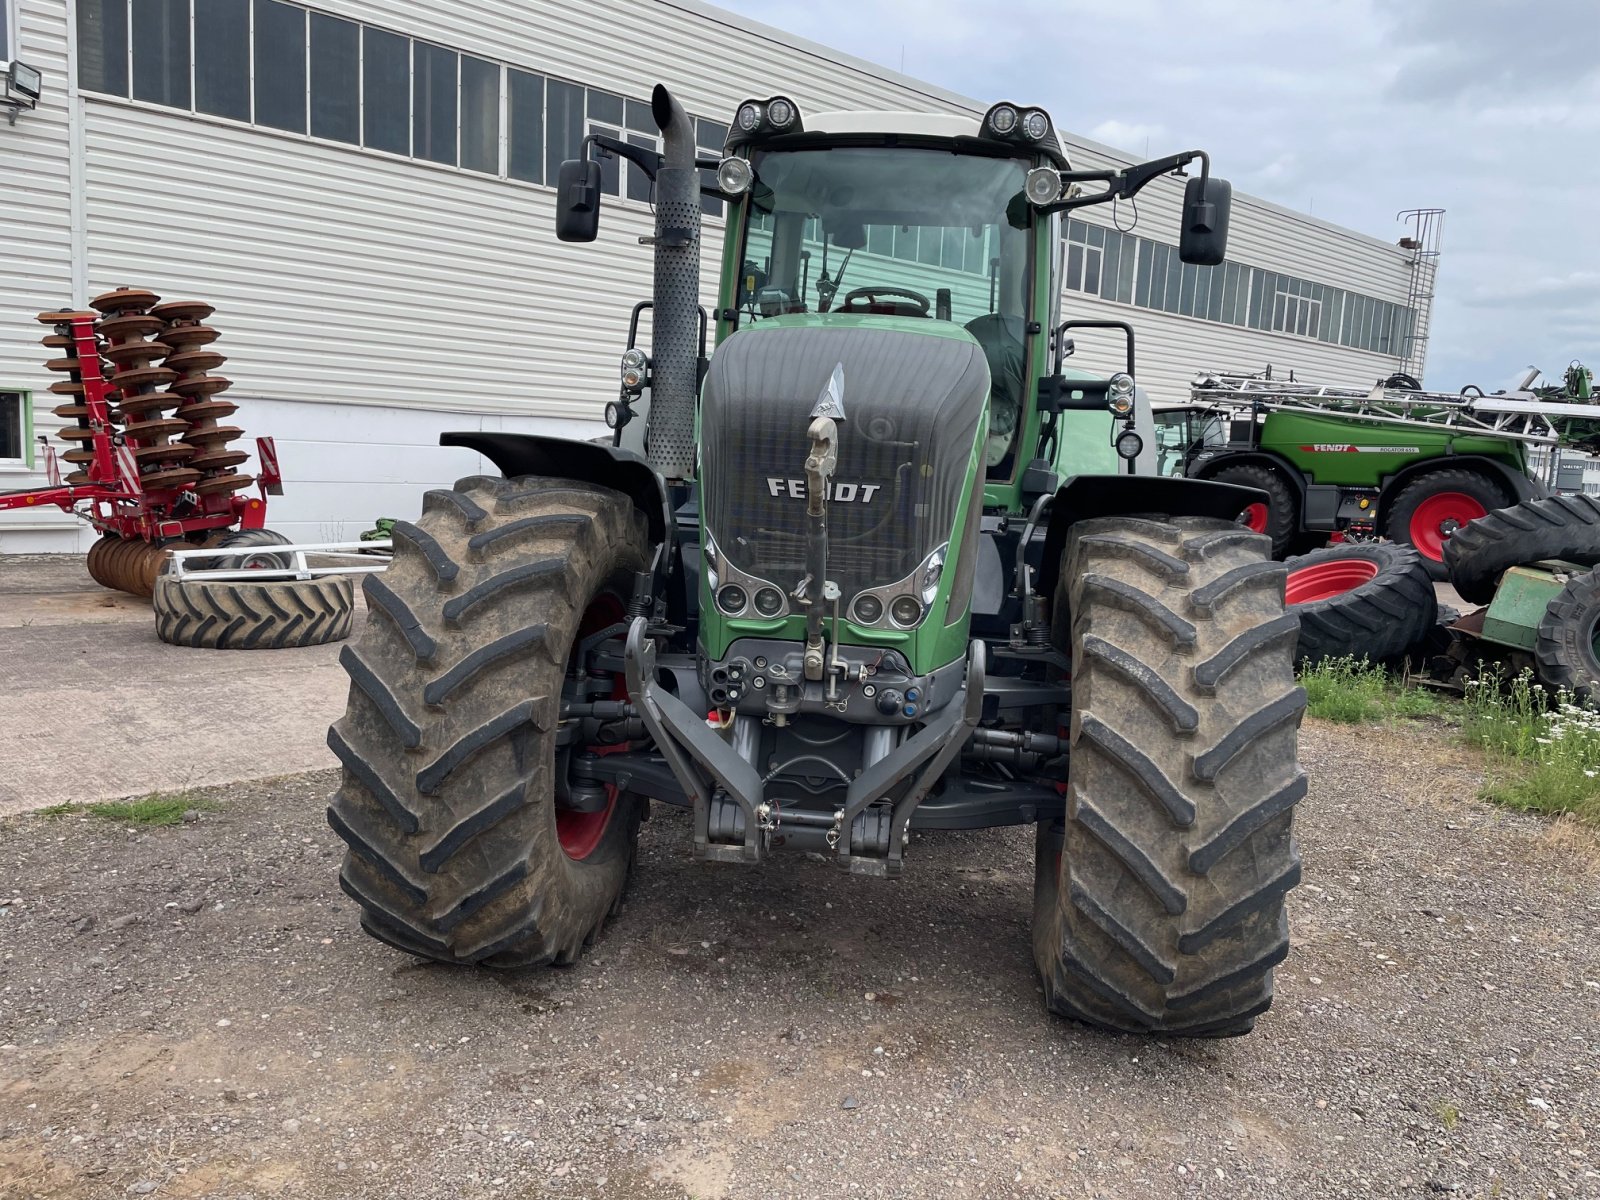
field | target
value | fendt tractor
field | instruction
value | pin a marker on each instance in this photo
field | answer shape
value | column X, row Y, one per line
column 882, row 569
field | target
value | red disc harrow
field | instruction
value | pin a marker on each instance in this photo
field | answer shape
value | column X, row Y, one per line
column 152, row 469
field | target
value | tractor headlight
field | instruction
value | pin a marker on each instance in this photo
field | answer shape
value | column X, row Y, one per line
column 1002, row 119
column 1119, row 393
column 769, row 601
column 867, row 609
column 1129, row 445
column 635, row 369
column 1042, row 186
column 732, row 599
column 930, row 574
column 734, row 176
column 1035, row 124
column 906, row 611
column 780, row 112
column 748, row 117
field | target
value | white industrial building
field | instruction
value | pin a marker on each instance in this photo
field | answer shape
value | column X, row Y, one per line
column 363, row 189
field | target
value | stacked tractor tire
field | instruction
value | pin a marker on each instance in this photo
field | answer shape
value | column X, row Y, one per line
column 1376, row 600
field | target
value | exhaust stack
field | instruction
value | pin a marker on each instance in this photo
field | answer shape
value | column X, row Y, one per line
column 675, row 338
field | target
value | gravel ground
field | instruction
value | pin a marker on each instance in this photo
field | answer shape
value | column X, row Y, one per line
column 192, row 1011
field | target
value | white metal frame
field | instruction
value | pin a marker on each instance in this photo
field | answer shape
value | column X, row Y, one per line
column 300, row 567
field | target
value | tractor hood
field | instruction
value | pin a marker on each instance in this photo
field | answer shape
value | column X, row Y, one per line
column 914, row 397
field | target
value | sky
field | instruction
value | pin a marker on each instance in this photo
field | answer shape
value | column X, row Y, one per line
column 1347, row 109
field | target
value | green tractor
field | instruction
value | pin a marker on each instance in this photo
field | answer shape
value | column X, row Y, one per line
column 882, row 569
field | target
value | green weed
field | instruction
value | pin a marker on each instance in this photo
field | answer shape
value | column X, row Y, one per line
column 158, row 808
column 1352, row 691
column 1546, row 748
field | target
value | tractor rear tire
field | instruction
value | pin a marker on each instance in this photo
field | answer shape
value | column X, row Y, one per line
column 1279, row 518
column 1159, row 901
column 1561, row 527
column 458, row 851
column 275, row 614
column 1427, row 513
column 1364, row 600
column 1565, row 649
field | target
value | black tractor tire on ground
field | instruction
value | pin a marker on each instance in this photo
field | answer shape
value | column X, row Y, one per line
column 1371, row 600
column 1563, row 527
column 1281, row 521
column 1459, row 496
column 1564, row 649
column 1159, row 901
column 448, row 797
column 275, row 614
column 238, row 538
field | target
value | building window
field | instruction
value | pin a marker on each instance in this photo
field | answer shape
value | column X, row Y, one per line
column 1083, row 259
column 480, row 115
column 222, row 58
column 103, row 46
column 525, row 121
column 709, row 137
column 5, row 29
column 563, row 116
column 160, row 31
column 14, row 425
column 434, row 87
column 280, row 65
column 385, row 91
column 335, row 79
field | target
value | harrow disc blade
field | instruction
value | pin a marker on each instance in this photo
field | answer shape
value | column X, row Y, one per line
column 181, row 336
column 223, row 483
column 63, row 316
column 70, row 411
column 56, row 341
column 213, row 435
column 67, row 387
column 122, row 299
column 78, row 456
column 183, row 310
column 174, row 452
column 148, row 431
column 195, row 361
column 130, row 325
column 175, row 477
column 136, row 352
column 76, row 478
column 75, row 433
column 201, row 385
column 127, row 565
column 140, row 377
column 62, row 364
column 208, row 410
column 218, row 459
column 148, row 402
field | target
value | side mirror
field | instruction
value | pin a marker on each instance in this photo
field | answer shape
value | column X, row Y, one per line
column 1204, row 237
column 578, row 200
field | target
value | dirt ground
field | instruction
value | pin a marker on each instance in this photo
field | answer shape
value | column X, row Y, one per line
column 192, row 1011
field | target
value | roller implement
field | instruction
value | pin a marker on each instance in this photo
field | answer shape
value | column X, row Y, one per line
column 874, row 565
column 151, row 468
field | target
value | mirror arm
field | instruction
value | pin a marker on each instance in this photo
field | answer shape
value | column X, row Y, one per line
column 1128, row 182
column 648, row 161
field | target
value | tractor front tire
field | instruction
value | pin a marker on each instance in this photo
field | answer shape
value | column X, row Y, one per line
column 1279, row 518
column 1567, row 650
column 1159, row 902
column 458, row 850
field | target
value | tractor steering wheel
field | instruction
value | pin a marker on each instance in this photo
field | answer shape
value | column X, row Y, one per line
column 871, row 294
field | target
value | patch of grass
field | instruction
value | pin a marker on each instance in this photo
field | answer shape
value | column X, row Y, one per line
column 1546, row 747
column 1449, row 1114
column 1352, row 691
column 158, row 808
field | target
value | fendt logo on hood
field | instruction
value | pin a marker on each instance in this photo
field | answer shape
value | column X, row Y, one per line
column 843, row 493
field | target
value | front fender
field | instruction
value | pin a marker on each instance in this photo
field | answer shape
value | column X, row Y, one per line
column 1085, row 497
column 568, row 458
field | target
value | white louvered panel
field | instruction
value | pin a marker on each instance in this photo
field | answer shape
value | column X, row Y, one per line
column 35, row 256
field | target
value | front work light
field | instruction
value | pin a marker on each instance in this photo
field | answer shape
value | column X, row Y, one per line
column 1042, row 186
column 780, row 112
column 1129, row 444
column 734, row 176
column 1119, row 393
column 1035, row 124
column 749, row 116
column 1002, row 119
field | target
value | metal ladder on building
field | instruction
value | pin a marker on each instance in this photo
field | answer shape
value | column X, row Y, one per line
column 1425, row 242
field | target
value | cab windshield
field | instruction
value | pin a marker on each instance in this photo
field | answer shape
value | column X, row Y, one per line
column 897, row 231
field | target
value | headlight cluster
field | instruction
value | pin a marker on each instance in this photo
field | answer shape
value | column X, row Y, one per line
column 1011, row 124
column 737, row 594
column 777, row 115
column 906, row 603
column 1119, row 393
column 635, row 370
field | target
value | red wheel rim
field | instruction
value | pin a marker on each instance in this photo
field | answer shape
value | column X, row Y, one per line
column 580, row 832
column 1437, row 517
column 1254, row 518
column 1323, row 580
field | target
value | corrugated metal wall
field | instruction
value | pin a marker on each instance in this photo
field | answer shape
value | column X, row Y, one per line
column 348, row 277
column 35, row 242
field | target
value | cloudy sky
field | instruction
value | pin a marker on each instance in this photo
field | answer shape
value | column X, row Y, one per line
column 1350, row 109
